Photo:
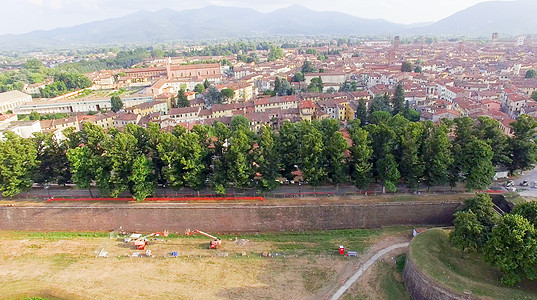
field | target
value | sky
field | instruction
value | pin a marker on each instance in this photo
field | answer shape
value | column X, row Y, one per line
column 20, row 16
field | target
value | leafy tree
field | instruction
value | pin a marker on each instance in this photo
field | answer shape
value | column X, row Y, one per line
column 268, row 160
column 335, row 146
column 227, row 94
column 316, row 85
column 121, row 152
column 512, row 248
column 388, row 172
column 18, row 159
column 528, row 210
column 206, row 84
column 488, row 130
column 288, row 142
column 239, row 159
column 199, row 88
column 534, row 95
column 311, row 152
column 182, row 100
column 531, row 73
column 361, row 154
column 410, row 113
column 406, row 67
column 418, row 69
column 308, row 67
column 477, row 164
column 214, row 96
column 83, row 163
column 142, row 186
column 411, row 165
column 299, row 77
column 379, row 117
column 53, row 162
column 481, row 205
column 523, row 147
column 436, row 154
column 398, row 100
column 361, row 112
column 219, row 177
column 380, row 103
column 240, row 123
column 348, row 86
column 463, row 136
column 116, row 103
column 468, row 231
column 275, row 53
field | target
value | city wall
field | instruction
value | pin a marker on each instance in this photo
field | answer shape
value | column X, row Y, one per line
column 224, row 218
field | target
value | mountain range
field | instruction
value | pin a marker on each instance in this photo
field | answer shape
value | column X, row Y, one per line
column 504, row 17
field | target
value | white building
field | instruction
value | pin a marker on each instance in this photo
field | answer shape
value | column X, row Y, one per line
column 13, row 99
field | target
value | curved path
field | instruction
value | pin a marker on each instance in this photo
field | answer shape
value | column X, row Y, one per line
column 364, row 268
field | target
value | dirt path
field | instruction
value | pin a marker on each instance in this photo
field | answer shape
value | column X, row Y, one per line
column 363, row 268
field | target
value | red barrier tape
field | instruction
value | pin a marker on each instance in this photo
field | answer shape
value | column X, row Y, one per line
column 159, row 199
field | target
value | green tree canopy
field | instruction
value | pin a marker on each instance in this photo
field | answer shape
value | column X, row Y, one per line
column 116, row 103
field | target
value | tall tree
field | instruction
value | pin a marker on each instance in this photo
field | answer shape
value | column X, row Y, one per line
column 182, row 100
column 227, row 94
column 311, row 152
column 512, row 247
column 531, row 73
column 140, row 178
column 380, row 103
column 528, row 210
column 406, row 67
column 467, row 232
column 83, row 163
column 53, row 162
column 361, row 154
column 239, row 160
column 289, row 141
column 316, row 85
column 361, row 112
column 335, row 146
column 477, row 165
column 483, row 207
column 523, row 147
column 18, row 161
column 268, row 160
column 308, row 67
column 388, row 172
column 436, row 154
column 398, row 100
column 116, row 103
column 488, row 130
column 411, row 165
column 213, row 96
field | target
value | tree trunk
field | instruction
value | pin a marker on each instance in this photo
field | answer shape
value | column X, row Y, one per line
column 91, row 194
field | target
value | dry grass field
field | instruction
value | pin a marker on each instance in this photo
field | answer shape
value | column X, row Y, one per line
column 64, row 266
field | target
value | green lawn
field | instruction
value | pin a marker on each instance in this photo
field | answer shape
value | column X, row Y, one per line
column 435, row 256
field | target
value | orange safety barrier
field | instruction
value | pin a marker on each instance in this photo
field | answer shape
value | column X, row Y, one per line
column 159, row 199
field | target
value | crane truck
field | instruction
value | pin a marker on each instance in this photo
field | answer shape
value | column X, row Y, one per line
column 214, row 243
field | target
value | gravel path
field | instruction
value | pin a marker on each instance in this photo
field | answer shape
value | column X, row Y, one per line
column 364, row 268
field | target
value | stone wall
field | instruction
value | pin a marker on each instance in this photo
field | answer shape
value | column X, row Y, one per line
column 224, row 218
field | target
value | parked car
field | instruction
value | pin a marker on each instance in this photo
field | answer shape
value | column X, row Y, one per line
column 509, row 183
column 524, row 183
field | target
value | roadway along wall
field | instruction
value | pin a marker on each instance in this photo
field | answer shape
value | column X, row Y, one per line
column 224, row 218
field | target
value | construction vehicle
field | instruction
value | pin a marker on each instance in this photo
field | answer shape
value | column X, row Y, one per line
column 214, row 243
column 140, row 241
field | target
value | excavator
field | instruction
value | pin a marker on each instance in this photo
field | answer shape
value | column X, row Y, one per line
column 214, row 243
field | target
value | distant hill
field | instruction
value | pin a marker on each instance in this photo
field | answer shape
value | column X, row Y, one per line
column 208, row 22
column 504, row 17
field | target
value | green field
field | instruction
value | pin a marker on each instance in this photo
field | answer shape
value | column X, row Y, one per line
column 435, row 256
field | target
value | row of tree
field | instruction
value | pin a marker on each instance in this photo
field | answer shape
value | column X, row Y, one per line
column 388, row 150
column 508, row 242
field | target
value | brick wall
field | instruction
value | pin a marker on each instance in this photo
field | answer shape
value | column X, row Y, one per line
column 225, row 218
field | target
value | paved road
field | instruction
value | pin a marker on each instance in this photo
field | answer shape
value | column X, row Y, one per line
column 531, row 177
column 364, row 268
